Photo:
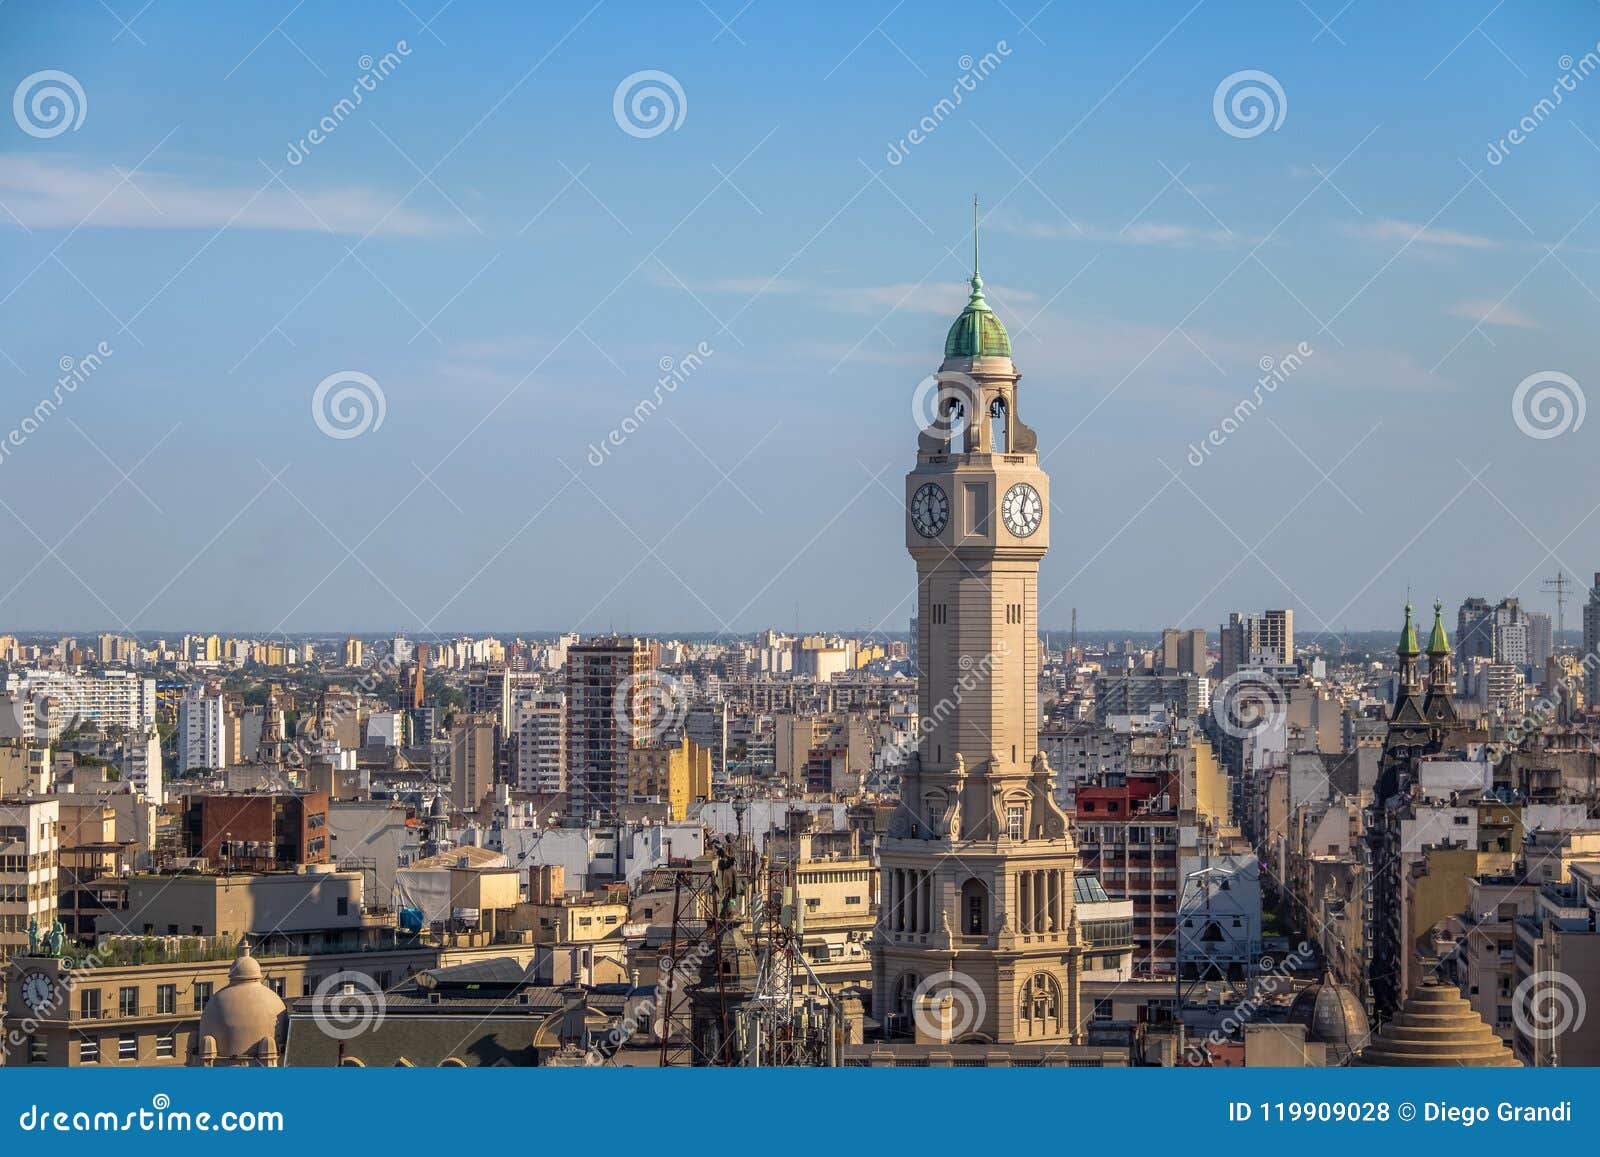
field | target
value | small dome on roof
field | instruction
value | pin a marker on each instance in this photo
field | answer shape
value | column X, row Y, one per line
column 244, row 1022
column 1333, row 1016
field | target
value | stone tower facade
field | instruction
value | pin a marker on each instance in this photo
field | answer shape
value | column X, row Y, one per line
column 977, row 939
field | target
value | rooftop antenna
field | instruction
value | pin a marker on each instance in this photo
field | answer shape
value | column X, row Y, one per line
column 1560, row 585
column 974, row 235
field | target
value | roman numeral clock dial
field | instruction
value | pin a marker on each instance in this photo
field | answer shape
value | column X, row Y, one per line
column 930, row 510
column 1022, row 509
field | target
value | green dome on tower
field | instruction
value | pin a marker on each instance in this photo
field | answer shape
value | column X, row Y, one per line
column 977, row 333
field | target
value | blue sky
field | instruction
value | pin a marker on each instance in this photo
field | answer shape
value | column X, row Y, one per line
column 482, row 239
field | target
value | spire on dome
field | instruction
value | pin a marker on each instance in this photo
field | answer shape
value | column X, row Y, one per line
column 977, row 333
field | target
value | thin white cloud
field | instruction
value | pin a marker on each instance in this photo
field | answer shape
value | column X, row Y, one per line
column 1494, row 313
column 941, row 298
column 66, row 194
column 1165, row 234
column 1390, row 230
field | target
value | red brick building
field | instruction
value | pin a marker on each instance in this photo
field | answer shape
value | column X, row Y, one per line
column 257, row 832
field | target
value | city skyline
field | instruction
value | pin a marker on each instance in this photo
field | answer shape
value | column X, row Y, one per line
column 797, row 256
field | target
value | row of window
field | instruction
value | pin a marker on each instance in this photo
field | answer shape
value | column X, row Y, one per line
column 89, row 1003
column 90, row 1048
column 42, row 862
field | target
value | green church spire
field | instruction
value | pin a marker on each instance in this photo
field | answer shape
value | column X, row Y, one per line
column 1438, row 642
column 1408, row 637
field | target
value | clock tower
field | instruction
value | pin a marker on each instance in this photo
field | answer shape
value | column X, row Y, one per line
column 977, row 938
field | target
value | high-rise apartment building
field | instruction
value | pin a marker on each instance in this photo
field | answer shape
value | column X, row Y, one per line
column 108, row 698
column 1591, row 644
column 474, row 741
column 202, row 729
column 1183, row 652
column 1504, row 633
column 1249, row 640
column 539, row 730
column 609, row 708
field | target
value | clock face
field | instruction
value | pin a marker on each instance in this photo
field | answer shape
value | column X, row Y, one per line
column 37, row 991
column 930, row 510
column 1022, row 509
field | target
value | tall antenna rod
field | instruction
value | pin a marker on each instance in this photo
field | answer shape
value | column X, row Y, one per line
column 974, row 235
column 1559, row 585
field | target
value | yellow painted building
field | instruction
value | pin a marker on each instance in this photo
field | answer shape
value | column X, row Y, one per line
column 675, row 775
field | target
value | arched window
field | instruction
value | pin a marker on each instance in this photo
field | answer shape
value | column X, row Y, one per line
column 1039, row 1010
column 974, row 908
column 955, row 421
column 905, row 994
column 999, row 426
